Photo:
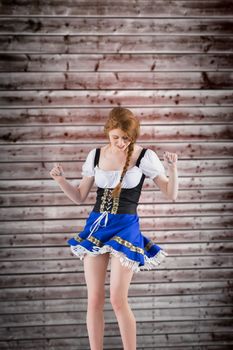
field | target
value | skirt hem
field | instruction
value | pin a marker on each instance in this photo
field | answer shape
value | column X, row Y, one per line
column 150, row 262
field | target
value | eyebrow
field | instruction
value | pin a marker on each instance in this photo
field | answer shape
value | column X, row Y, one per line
column 120, row 136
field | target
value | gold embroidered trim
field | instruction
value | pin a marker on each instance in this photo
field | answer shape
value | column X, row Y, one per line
column 103, row 200
column 92, row 239
column 95, row 241
column 149, row 245
column 127, row 244
column 78, row 239
column 119, row 240
column 115, row 205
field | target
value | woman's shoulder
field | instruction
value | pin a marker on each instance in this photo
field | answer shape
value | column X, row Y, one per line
column 91, row 153
column 138, row 147
column 90, row 156
column 137, row 151
column 148, row 150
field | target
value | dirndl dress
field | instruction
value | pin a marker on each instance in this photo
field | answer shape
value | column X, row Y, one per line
column 113, row 227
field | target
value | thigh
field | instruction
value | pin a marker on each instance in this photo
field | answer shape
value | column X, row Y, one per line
column 95, row 268
column 120, row 278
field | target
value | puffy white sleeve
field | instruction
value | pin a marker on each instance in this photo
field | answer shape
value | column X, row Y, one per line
column 88, row 165
column 151, row 165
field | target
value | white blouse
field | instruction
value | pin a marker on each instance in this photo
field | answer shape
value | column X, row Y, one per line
column 150, row 165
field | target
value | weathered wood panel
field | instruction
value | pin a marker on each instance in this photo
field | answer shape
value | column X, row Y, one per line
column 97, row 116
column 147, row 197
column 145, row 302
column 132, row 26
column 147, row 223
column 113, row 8
column 132, row 62
column 63, row 66
column 145, row 315
column 188, row 326
column 79, row 291
column 76, row 152
column 56, row 238
column 128, row 98
column 53, row 252
column 186, row 341
column 196, row 182
column 67, row 265
column 115, row 80
column 84, row 134
column 146, row 210
column 58, row 44
column 61, row 279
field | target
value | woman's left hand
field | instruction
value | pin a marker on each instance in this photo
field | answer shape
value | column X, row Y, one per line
column 170, row 159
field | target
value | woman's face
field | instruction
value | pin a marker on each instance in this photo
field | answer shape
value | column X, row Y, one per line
column 118, row 139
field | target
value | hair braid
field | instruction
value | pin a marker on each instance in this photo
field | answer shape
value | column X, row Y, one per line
column 116, row 191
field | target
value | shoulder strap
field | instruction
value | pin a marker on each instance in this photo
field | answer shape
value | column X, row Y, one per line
column 97, row 156
column 143, row 151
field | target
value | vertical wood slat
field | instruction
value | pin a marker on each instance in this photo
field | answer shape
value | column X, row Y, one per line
column 62, row 68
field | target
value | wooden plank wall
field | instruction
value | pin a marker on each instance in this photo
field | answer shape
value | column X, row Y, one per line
column 64, row 65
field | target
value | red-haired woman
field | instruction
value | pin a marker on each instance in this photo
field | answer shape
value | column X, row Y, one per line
column 112, row 228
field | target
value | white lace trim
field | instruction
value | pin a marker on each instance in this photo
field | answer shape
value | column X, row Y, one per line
column 81, row 251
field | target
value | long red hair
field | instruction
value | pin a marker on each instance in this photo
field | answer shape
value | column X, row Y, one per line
column 125, row 120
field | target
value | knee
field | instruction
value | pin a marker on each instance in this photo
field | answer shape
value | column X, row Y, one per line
column 117, row 300
column 96, row 301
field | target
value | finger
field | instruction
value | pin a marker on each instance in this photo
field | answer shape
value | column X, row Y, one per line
column 57, row 165
column 55, row 171
column 166, row 157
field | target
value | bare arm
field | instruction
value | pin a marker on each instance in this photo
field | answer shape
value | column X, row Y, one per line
column 76, row 194
column 169, row 186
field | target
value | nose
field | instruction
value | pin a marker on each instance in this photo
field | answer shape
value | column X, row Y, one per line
column 120, row 143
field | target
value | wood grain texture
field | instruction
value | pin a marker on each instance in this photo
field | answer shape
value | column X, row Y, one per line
column 110, row 98
column 63, row 66
column 76, row 152
column 132, row 62
column 178, row 262
column 73, row 44
column 115, row 80
column 116, row 26
column 115, row 8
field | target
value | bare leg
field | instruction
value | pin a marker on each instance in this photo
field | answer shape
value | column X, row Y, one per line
column 119, row 284
column 95, row 268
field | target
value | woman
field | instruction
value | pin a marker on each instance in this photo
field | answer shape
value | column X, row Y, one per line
column 112, row 228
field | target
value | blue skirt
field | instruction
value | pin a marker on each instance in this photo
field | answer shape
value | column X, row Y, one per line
column 120, row 235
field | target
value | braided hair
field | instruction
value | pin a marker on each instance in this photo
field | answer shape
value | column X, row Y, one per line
column 125, row 120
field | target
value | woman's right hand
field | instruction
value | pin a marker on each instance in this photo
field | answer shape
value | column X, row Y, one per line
column 57, row 172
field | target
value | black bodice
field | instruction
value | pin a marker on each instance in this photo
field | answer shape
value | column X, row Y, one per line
column 127, row 202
